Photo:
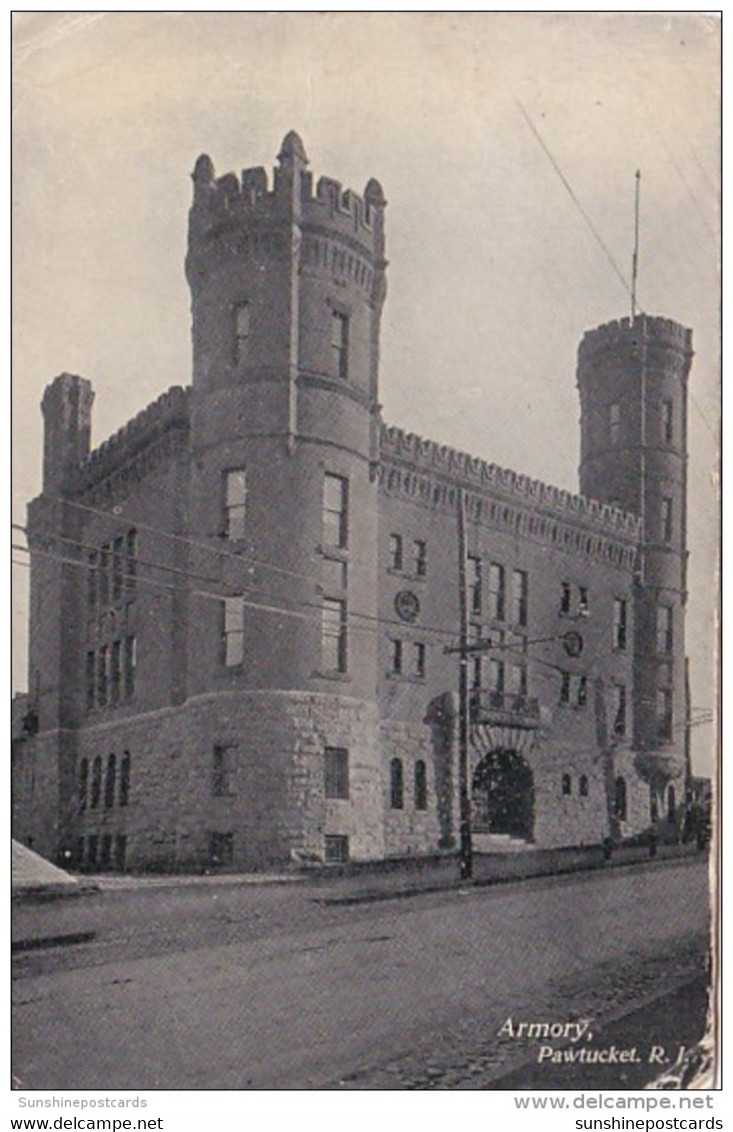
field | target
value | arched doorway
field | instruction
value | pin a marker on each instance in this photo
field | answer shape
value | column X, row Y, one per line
column 503, row 795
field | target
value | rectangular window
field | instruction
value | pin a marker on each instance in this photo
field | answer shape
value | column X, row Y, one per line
column 614, row 423
column 420, row 549
column 221, row 849
column 335, row 510
column 418, row 659
column 581, row 691
column 102, row 675
column 619, row 623
column 120, row 850
column 131, row 568
column 474, row 634
column 340, row 343
column 421, row 785
column 564, row 687
column 336, row 769
column 396, row 656
column 124, row 794
column 110, row 781
column 664, row 713
column 395, row 552
column 667, row 429
column 130, row 666
column 91, row 679
column 233, row 630
column 235, row 502
column 517, row 680
column 93, row 570
column 96, row 782
column 473, row 585
column 334, row 575
column 519, row 597
column 565, row 597
column 118, row 564
column 333, row 638
column 221, row 771
column 241, row 332
column 619, row 710
column 664, row 629
column 582, row 601
column 335, row 848
column 496, row 676
column 104, row 576
column 115, row 672
column 665, row 520
column 497, row 594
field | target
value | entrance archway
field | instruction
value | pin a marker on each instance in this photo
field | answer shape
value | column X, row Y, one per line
column 503, row 795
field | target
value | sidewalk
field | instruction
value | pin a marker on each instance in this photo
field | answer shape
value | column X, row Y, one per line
column 42, row 920
column 363, row 884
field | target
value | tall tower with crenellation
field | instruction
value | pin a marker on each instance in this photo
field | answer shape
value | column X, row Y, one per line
column 632, row 378
column 287, row 283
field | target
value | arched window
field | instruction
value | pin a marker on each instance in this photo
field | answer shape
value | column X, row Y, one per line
column 671, row 805
column 421, row 786
column 125, row 779
column 583, row 786
column 109, row 783
column 567, row 784
column 83, row 784
column 620, row 798
column 96, row 782
column 396, row 785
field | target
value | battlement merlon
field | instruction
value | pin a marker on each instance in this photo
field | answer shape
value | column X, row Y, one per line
column 221, row 204
column 625, row 333
column 476, row 474
column 169, row 411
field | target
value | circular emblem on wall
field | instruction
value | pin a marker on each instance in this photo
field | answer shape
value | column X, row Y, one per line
column 573, row 643
column 407, row 605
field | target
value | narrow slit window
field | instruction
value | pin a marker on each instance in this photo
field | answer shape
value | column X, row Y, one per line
column 233, row 630
column 241, row 332
column 235, row 503
column 340, row 343
column 335, row 511
column 333, row 635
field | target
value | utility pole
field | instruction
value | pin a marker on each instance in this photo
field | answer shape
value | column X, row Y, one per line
column 572, row 642
column 466, row 849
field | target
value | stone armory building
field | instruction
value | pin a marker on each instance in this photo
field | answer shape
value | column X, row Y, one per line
column 240, row 602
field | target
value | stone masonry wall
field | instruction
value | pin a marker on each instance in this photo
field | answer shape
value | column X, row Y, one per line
column 271, row 799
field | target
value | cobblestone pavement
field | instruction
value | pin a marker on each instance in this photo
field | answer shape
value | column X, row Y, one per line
column 268, row 988
column 467, row 1056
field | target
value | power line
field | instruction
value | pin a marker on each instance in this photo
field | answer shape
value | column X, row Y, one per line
column 596, row 234
column 372, row 622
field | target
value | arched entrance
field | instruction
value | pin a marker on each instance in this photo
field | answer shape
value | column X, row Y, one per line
column 503, row 795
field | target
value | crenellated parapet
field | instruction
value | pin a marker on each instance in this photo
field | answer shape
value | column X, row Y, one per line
column 624, row 333
column 431, row 473
column 255, row 202
column 168, row 413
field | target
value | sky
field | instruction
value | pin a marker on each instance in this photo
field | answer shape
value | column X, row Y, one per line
column 506, row 144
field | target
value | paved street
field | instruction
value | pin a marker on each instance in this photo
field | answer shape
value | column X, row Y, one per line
column 226, row 986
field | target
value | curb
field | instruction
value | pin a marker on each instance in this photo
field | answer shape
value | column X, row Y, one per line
column 457, row 885
column 38, row 943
